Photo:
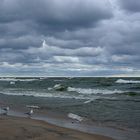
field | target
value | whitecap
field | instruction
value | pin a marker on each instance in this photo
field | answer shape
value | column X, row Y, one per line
column 14, row 79
column 122, row 81
column 94, row 91
column 12, row 82
column 45, row 95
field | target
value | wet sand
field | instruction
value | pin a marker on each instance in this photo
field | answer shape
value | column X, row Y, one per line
column 54, row 126
column 17, row 128
column 47, row 124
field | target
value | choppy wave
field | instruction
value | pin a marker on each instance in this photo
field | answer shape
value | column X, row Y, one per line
column 58, row 80
column 122, row 81
column 49, row 95
column 14, row 79
column 94, row 91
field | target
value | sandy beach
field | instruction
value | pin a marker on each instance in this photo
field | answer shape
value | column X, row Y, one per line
column 51, row 124
column 17, row 128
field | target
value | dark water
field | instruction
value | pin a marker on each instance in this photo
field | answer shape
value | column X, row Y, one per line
column 111, row 101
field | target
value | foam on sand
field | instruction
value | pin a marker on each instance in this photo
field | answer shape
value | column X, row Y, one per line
column 76, row 117
column 33, row 106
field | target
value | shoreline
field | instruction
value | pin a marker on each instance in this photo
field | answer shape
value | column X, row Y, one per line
column 57, row 120
column 14, row 128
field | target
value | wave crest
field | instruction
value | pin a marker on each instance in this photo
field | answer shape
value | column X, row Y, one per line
column 15, row 80
column 94, row 91
column 122, row 81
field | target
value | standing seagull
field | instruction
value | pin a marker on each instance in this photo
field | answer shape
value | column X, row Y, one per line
column 6, row 109
column 30, row 113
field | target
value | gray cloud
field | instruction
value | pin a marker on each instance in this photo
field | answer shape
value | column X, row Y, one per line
column 131, row 5
column 46, row 50
column 81, row 37
column 64, row 14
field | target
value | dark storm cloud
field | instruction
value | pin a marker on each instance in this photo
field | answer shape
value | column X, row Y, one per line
column 131, row 5
column 69, row 37
column 20, row 42
column 26, row 23
column 66, row 14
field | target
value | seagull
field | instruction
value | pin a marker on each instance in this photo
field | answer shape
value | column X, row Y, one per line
column 30, row 113
column 6, row 109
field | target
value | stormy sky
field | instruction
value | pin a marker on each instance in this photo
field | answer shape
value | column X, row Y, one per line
column 69, row 37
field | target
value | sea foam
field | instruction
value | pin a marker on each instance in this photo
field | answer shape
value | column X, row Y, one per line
column 94, row 91
column 14, row 79
column 75, row 116
column 122, row 81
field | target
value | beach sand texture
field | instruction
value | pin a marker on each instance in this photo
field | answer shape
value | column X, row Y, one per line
column 15, row 128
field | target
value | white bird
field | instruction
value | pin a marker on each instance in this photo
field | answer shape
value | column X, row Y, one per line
column 30, row 113
column 6, row 109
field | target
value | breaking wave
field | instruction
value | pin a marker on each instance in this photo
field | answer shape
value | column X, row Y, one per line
column 94, row 91
column 122, row 81
column 14, row 79
column 48, row 95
